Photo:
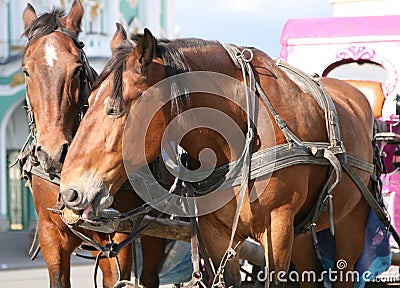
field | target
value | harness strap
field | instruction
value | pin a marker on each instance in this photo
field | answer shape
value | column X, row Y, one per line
column 35, row 246
column 135, row 262
column 73, row 36
column 38, row 171
column 193, row 232
column 240, row 58
column 360, row 164
column 380, row 212
column 197, row 276
column 334, row 161
column 112, row 249
column 315, row 88
column 270, row 160
column 289, row 135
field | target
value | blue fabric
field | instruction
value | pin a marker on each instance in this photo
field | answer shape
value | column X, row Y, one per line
column 177, row 264
column 375, row 257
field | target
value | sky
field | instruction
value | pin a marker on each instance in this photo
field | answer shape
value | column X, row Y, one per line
column 255, row 23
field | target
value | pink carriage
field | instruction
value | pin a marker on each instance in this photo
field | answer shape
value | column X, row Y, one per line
column 390, row 140
column 357, row 48
column 362, row 50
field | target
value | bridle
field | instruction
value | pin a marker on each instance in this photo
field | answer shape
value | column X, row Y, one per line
column 27, row 158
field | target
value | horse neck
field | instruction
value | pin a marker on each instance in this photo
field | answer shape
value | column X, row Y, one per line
column 280, row 90
column 214, row 59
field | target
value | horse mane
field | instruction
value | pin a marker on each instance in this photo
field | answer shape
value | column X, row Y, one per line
column 44, row 24
column 174, row 62
column 116, row 64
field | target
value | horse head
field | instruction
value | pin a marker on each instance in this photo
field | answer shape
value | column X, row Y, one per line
column 132, row 69
column 55, row 70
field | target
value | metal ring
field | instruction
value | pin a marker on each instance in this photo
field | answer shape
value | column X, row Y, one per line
column 197, row 275
column 244, row 56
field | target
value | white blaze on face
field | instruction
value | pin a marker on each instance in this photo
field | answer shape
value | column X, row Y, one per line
column 51, row 54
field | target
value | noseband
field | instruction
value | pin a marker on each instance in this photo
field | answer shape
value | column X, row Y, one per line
column 27, row 158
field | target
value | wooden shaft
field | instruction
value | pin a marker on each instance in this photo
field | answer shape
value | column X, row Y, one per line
column 180, row 230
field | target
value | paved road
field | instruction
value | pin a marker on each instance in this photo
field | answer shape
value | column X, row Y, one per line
column 81, row 276
column 18, row 270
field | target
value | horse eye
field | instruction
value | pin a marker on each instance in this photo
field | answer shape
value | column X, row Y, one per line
column 26, row 73
column 113, row 111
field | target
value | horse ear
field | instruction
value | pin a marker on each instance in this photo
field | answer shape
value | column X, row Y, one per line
column 29, row 15
column 145, row 50
column 74, row 18
column 119, row 36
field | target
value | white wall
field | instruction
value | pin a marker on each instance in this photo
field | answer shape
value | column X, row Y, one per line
column 3, row 29
column 346, row 8
column 17, row 129
column 3, row 155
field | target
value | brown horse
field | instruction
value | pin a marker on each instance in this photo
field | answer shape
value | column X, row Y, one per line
column 57, row 78
column 135, row 83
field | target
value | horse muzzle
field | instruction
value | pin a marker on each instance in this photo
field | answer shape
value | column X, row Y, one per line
column 78, row 201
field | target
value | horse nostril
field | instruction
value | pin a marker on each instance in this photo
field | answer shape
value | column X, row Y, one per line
column 70, row 195
column 42, row 154
column 44, row 159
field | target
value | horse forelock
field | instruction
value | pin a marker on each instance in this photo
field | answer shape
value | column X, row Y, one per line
column 44, row 24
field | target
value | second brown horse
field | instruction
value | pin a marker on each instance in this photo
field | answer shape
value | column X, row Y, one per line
column 54, row 65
